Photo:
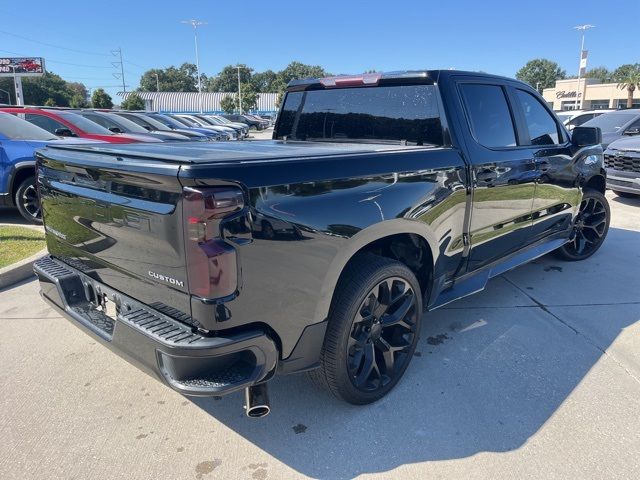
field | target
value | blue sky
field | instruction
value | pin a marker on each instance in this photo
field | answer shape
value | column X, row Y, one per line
column 342, row 36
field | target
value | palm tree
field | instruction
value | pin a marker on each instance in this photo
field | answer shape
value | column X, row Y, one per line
column 628, row 78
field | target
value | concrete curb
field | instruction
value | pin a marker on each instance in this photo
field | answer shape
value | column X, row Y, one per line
column 19, row 271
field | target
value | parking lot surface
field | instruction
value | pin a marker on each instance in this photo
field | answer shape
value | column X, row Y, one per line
column 536, row 377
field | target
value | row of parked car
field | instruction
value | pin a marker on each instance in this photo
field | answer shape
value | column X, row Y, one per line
column 621, row 142
column 25, row 129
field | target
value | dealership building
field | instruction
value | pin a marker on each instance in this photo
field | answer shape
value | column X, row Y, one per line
column 189, row 102
column 591, row 94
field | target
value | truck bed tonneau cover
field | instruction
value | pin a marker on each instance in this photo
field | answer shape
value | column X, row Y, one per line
column 234, row 152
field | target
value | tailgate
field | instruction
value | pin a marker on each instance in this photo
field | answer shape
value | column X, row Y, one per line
column 118, row 221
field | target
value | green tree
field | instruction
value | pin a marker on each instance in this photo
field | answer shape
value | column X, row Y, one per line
column 50, row 102
column 78, row 101
column 101, row 99
column 601, row 73
column 227, row 79
column 628, row 78
column 264, row 81
column 228, row 104
column 541, row 73
column 37, row 90
column 172, row 79
column 298, row 71
column 250, row 95
column 133, row 102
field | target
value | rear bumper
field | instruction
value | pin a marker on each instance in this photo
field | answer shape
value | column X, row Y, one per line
column 173, row 352
column 623, row 181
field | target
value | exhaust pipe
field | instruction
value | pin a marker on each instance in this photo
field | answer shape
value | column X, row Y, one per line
column 256, row 401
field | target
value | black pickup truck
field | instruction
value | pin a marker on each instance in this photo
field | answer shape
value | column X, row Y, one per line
column 214, row 267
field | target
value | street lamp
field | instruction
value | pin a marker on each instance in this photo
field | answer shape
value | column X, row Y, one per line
column 239, row 92
column 195, row 24
column 583, row 61
column 157, row 82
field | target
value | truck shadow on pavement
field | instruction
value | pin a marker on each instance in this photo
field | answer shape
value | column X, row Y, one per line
column 489, row 371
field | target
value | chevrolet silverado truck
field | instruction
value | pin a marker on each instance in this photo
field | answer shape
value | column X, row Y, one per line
column 215, row 267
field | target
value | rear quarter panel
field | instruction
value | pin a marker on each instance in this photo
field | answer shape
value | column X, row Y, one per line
column 322, row 211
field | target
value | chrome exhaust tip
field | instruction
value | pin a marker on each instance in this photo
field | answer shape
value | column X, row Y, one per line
column 256, row 401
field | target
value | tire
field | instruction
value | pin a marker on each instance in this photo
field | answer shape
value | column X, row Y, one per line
column 353, row 366
column 27, row 201
column 267, row 230
column 626, row 194
column 590, row 228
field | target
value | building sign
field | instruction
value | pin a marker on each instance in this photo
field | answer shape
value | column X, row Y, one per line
column 22, row 66
column 568, row 94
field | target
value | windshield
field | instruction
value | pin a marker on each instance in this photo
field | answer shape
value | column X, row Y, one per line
column 611, row 122
column 203, row 120
column 213, row 120
column 166, row 120
column 84, row 123
column 187, row 121
column 402, row 113
column 15, row 128
column 108, row 121
column 154, row 123
column 564, row 116
column 222, row 119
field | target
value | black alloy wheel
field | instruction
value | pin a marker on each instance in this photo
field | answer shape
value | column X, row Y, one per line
column 382, row 334
column 28, row 202
column 372, row 331
column 590, row 227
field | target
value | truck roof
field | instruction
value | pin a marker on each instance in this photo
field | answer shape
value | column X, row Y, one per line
column 231, row 152
column 429, row 76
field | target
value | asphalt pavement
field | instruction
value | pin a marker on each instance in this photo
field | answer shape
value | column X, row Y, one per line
column 536, row 377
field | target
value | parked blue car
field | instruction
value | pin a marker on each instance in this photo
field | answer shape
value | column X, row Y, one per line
column 19, row 140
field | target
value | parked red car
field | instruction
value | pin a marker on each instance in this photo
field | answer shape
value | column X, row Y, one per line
column 69, row 124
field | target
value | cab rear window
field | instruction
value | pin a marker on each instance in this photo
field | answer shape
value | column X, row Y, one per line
column 402, row 113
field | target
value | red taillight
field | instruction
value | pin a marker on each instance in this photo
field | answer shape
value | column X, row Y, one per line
column 351, row 80
column 211, row 262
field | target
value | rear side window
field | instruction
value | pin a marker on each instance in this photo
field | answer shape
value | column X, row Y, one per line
column 42, row 121
column 384, row 113
column 542, row 128
column 489, row 115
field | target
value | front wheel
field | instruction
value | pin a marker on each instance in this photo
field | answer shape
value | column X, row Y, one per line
column 373, row 329
column 27, row 201
column 590, row 227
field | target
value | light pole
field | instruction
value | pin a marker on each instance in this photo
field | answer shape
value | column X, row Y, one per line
column 583, row 60
column 239, row 92
column 157, row 82
column 195, row 24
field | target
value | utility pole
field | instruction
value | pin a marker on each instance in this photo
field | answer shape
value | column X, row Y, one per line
column 119, row 63
column 157, row 82
column 195, row 24
column 583, row 60
column 17, row 85
column 239, row 92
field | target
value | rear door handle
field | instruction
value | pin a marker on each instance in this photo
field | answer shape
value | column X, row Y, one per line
column 487, row 176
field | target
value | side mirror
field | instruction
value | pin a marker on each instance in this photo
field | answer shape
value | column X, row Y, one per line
column 115, row 129
column 64, row 132
column 632, row 131
column 586, row 136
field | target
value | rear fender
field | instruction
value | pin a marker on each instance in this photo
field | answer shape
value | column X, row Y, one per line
column 362, row 239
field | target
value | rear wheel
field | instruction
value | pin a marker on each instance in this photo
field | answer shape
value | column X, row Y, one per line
column 373, row 329
column 590, row 227
column 626, row 194
column 27, row 201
